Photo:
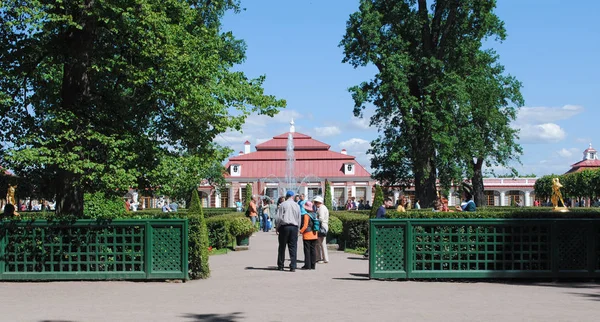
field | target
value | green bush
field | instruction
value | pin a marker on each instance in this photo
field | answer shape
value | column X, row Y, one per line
column 377, row 201
column 197, row 240
column 241, row 226
column 354, row 229
column 97, row 205
column 335, row 226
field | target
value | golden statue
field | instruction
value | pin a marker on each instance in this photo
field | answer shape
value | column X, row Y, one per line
column 10, row 195
column 557, row 196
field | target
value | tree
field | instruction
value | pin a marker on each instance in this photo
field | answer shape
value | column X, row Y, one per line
column 94, row 94
column 248, row 196
column 175, row 176
column 377, row 201
column 198, row 239
column 543, row 186
column 327, row 198
column 483, row 120
column 422, row 53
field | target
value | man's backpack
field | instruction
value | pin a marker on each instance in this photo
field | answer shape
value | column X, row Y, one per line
column 314, row 223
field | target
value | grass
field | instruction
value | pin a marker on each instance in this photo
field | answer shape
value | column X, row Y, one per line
column 357, row 251
column 216, row 251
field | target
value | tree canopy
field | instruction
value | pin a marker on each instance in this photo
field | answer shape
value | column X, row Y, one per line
column 96, row 94
column 433, row 76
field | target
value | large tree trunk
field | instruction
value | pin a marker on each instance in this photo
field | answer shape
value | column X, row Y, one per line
column 75, row 98
column 477, row 182
column 425, row 174
column 69, row 194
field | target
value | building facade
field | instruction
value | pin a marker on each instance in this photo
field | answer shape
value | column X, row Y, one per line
column 275, row 167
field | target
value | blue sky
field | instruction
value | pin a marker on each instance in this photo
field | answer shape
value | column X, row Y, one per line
column 552, row 48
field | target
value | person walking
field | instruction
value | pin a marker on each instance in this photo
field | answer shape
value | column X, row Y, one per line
column 323, row 216
column 252, row 211
column 288, row 220
column 266, row 215
column 309, row 237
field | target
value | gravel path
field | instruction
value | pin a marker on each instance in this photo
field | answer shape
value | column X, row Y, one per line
column 245, row 286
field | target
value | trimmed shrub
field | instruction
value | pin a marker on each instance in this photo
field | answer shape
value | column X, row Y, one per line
column 335, row 226
column 197, row 240
column 327, row 196
column 354, row 229
column 97, row 205
column 377, row 201
column 241, row 226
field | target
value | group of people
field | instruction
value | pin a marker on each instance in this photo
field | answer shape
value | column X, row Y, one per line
column 296, row 216
column 360, row 205
column 262, row 210
column 467, row 204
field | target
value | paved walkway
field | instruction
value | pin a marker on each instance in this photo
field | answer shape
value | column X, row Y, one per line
column 246, row 287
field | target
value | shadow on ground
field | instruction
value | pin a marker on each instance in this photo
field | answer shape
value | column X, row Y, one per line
column 268, row 268
column 231, row 317
column 593, row 297
column 56, row 321
column 358, row 258
column 356, row 277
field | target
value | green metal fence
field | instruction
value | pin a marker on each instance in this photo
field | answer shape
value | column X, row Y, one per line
column 90, row 249
column 484, row 248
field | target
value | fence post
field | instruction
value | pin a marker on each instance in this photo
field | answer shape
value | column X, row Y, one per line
column 184, row 250
column 370, row 248
column 4, row 232
column 408, row 249
column 148, row 248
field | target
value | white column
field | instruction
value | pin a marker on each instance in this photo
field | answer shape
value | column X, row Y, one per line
column 353, row 191
column 306, row 192
column 396, row 196
column 527, row 198
column 331, row 193
column 369, row 195
column 217, row 198
column 451, row 197
column 502, row 196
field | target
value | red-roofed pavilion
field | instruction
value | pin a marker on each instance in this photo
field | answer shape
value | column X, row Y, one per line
column 590, row 161
column 314, row 163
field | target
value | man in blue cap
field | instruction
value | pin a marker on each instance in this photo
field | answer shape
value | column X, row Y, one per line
column 288, row 215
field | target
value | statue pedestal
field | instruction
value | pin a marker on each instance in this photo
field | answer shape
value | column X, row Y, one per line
column 560, row 209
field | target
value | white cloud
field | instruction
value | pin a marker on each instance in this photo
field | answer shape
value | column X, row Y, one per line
column 327, row 131
column 358, row 147
column 360, row 123
column 541, row 115
column 567, row 153
column 540, row 133
column 355, row 144
column 284, row 116
column 261, row 140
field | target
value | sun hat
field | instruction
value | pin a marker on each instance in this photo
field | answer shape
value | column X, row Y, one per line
column 289, row 193
column 308, row 206
column 318, row 199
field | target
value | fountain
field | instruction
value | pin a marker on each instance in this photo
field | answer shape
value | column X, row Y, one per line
column 290, row 181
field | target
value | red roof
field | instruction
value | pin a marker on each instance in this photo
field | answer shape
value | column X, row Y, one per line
column 313, row 158
column 301, row 142
column 584, row 165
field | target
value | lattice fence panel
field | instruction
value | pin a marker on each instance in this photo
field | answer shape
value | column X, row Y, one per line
column 572, row 247
column 481, row 247
column 61, row 249
column 389, row 248
column 166, row 249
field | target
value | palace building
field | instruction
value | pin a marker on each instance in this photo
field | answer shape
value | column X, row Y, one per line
column 273, row 168
column 312, row 162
